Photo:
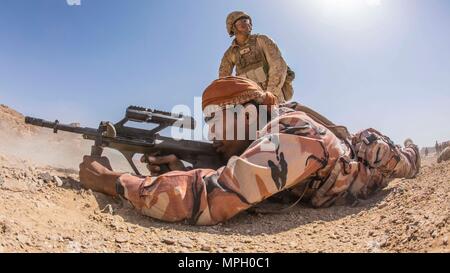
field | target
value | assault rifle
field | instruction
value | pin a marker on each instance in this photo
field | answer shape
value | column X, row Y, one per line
column 130, row 141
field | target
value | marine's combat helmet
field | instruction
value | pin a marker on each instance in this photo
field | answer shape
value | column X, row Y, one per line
column 233, row 17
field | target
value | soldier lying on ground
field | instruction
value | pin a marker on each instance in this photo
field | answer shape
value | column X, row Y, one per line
column 322, row 164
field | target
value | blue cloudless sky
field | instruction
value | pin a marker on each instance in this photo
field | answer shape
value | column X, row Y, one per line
column 362, row 63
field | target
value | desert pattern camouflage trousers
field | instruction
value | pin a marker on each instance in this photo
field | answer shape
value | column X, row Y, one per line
column 300, row 154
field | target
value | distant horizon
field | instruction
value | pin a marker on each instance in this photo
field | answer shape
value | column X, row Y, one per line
column 361, row 63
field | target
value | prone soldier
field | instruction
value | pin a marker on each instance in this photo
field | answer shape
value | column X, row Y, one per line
column 320, row 162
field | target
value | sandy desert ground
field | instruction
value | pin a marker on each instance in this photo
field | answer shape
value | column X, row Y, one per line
column 44, row 209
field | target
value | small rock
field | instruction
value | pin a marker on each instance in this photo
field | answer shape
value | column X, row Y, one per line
column 186, row 244
column 227, row 229
column 168, row 241
column 121, row 238
column 383, row 242
column 247, row 240
column 46, row 177
column 293, row 244
column 434, row 233
column 115, row 225
column 223, row 245
column 200, row 241
column 373, row 246
column 73, row 247
column 58, row 181
column 108, row 209
column 131, row 229
column 440, row 223
column 5, row 227
column 68, row 237
column 206, row 248
column 382, row 205
column 22, row 239
column 229, row 249
column 445, row 240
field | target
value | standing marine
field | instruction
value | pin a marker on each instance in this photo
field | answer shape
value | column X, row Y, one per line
column 256, row 57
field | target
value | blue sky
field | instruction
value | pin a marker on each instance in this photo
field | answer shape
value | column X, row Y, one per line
column 362, row 63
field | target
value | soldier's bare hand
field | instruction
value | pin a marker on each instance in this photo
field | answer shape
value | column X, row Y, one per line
column 155, row 163
column 218, row 145
column 96, row 174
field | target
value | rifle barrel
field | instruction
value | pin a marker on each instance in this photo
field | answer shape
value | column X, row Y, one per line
column 55, row 125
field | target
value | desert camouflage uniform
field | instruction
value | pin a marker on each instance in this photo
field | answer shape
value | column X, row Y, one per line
column 260, row 60
column 444, row 155
column 309, row 158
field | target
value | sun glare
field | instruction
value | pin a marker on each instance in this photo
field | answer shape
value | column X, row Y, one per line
column 346, row 9
column 348, row 5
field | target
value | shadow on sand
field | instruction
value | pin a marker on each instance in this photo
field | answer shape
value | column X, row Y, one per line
column 245, row 223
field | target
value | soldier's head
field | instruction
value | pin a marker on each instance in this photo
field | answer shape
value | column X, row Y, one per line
column 239, row 22
column 235, row 108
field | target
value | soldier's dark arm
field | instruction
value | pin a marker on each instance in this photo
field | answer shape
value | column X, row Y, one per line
column 277, row 66
column 227, row 64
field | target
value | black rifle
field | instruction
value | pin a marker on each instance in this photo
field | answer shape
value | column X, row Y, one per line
column 130, row 141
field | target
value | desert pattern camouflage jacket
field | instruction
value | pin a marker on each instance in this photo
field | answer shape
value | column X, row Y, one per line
column 303, row 155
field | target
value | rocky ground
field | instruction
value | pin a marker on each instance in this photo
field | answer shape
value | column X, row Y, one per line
column 43, row 209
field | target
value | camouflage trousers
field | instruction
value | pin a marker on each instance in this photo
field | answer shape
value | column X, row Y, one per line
column 306, row 157
column 376, row 162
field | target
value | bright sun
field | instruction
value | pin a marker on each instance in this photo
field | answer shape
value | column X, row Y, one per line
column 346, row 8
column 348, row 5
